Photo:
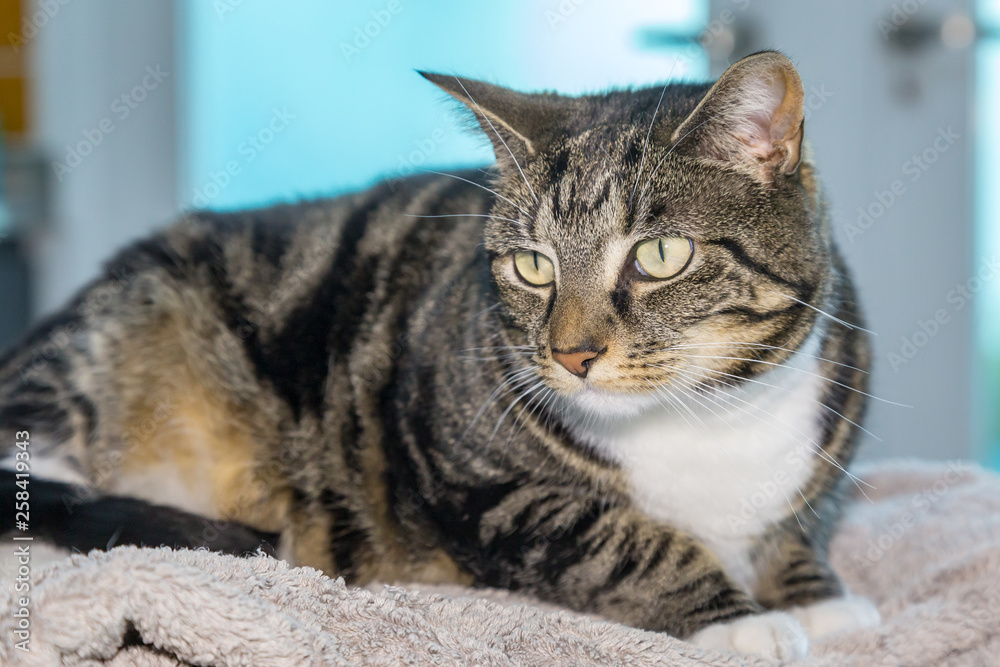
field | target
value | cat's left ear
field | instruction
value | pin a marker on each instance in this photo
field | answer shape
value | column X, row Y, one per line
column 752, row 116
column 519, row 125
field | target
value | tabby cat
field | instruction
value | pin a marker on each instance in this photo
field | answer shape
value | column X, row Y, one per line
column 622, row 371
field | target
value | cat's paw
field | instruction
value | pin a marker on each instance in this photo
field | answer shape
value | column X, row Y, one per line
column 774, row 635
column 835, row 615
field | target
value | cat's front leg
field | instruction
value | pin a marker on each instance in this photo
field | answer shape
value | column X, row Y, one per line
column 801, row 582
column 619, row 563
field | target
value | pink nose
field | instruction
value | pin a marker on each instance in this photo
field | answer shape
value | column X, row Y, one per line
column 576, row 362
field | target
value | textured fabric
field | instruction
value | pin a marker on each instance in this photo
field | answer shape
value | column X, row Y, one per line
column 925, row 548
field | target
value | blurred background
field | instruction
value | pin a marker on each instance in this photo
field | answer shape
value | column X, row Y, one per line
column 118, row 114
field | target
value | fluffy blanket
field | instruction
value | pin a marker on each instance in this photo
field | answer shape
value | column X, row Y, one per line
column 924, row 546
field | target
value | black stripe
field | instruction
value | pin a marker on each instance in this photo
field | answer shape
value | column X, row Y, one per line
column 801, row 579
column 603, row 195
column 659, row 554
column 297, row 360
column 347, row 538
column 556, row 206
column 688, row 556
column 755, row 316
column 720, row 602
column 560, row 164
column 74, row 517
column 270, row 238
column 838, row 395
column 565, row 549
column 740, row 255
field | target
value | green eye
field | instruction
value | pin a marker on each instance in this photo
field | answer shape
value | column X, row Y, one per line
column 664, row 257
column 534, row 267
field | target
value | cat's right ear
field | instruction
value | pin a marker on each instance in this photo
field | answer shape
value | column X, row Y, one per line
column 751, row 118
column 519, row 125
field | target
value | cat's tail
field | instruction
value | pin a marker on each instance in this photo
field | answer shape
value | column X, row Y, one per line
column 74, row 517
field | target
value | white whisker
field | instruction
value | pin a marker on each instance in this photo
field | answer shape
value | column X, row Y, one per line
column 645, row 144
column 817, row 448
column 823, row 312
column 464, row 215
column 709, row 397
column 530, row 390
column 774, row 386
column 688, row 346
column 487, row 119
column 660, row 163
column 478, row 185
column 801, row 370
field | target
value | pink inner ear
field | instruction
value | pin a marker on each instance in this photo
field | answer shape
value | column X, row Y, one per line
column 760, row 107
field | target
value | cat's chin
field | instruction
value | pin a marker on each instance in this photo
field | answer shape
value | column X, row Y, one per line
column 609, row 404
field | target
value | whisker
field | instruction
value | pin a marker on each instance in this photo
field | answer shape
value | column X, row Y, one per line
column 611, row 161
column 770, row 470
column 817, row 448
column 645, row 144
column 823, row 312
column 660, row 163
column 487, row 118
column 487, row 309
column 665, row 392
column 687, row 346
column 518, row 378
column 478, row 185
column 774, row 386
column 718, row 444
column 802, row 370
column 540, row 397
column 465, row 215
column 530, row 390
column 498, row 357
column 688, row 408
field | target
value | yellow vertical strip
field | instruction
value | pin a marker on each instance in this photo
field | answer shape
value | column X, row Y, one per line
column 13, row 70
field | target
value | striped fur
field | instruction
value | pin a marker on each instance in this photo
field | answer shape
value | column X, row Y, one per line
column 368, row 377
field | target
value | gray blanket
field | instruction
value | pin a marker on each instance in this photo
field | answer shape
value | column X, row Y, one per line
column 925, row 548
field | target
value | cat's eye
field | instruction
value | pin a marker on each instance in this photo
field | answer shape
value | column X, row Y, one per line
column 664, row 257
column 534, row 267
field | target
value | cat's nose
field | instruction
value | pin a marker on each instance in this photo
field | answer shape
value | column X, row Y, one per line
column 577, row 361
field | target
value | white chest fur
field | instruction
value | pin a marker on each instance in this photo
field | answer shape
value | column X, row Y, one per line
column 725, row 467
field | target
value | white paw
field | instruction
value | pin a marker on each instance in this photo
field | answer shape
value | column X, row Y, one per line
column 836, row 614
column 775, row 635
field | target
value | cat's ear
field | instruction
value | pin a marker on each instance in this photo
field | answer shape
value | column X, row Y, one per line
column 519, row 125
column 752, row 116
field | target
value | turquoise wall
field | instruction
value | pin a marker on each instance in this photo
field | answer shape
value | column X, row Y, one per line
column 299, row 98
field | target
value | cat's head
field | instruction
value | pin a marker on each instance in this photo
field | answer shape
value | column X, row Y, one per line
column 657, row 237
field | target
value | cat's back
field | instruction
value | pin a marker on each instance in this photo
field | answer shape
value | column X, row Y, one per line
column 206, row 344
column 269, row 260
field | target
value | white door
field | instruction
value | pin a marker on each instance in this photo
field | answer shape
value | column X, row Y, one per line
column 889, row 107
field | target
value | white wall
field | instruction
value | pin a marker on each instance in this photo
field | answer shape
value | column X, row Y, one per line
column 875, row 109
column 85, row 57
